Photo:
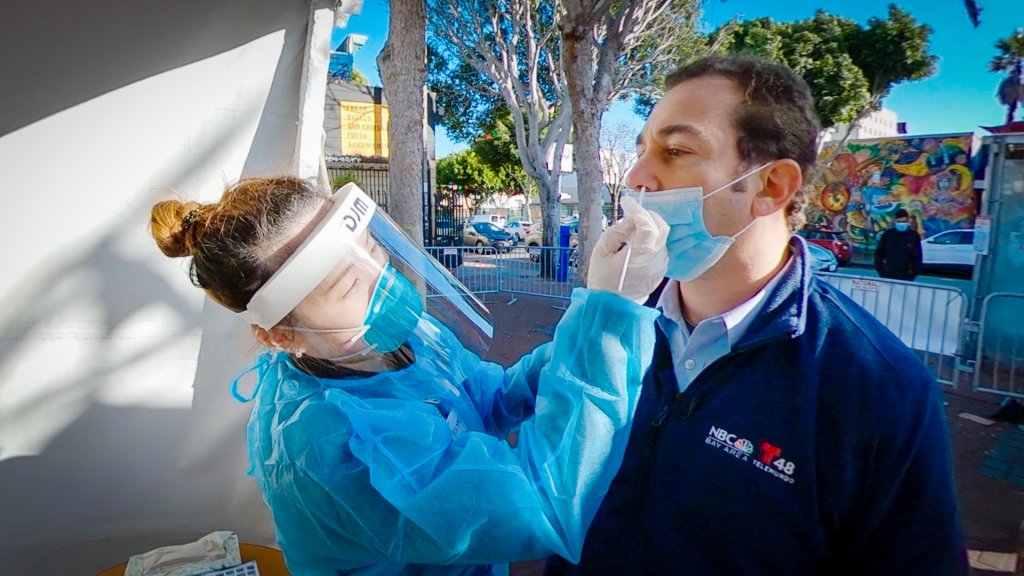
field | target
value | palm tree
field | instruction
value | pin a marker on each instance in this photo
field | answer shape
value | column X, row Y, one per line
column 1010, row 58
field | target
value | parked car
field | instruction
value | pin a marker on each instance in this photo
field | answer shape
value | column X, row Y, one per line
column 481, row 234
column 832, row 240
column 519, row 228
column 822, row 260
column 952, row 250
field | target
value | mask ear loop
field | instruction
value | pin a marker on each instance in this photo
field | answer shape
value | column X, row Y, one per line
column 739, row 179
column 358, row 354
column 744, row 229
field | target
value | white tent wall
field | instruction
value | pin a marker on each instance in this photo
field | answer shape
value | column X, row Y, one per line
column 117, row 430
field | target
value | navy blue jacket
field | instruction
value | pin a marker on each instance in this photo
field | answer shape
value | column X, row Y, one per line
column 817, row 446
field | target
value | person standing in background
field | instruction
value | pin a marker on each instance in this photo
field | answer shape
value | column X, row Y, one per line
column 898, row 255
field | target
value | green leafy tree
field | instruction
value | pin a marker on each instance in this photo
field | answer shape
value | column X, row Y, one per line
column 817, row 50
column 358, row 78
column 497, row 149
column 892, row 51
column 1010, row 59
column 470, row 173
column 850, row 68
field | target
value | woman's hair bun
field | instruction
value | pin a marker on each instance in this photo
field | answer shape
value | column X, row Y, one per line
column 172, row 223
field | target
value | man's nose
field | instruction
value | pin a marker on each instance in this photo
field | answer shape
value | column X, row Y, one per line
column 642, row 174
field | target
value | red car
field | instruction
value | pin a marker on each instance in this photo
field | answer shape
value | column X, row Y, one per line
column 831, row 240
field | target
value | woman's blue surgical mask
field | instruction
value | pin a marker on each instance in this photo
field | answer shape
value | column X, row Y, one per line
column 395, row 310
column 692, row 250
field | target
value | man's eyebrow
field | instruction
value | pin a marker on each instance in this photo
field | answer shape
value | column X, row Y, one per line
column 688, row 129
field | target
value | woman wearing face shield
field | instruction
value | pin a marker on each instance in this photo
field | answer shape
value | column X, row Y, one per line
column 378, row 435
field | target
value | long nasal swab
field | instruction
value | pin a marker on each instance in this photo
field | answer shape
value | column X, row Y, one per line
column 629, row 247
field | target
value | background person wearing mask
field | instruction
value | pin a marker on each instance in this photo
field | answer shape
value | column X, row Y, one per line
column 898, row 254
column 781, row 429
column 377, row 438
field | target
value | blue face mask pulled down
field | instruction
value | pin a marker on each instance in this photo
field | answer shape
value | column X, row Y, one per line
column 692, row 250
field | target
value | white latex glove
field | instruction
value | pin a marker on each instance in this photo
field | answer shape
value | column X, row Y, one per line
column 646, row 234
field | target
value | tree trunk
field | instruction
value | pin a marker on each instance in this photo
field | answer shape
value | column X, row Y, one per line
column 403, row 69
column 578, row 63
column 587, row 126
column 551, row 222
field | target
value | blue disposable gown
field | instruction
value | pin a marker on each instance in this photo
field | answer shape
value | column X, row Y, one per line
column 409, row 472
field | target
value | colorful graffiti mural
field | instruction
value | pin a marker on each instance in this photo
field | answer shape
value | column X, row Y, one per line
column 868, row 180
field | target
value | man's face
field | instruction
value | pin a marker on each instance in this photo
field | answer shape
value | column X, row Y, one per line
column 690, row 140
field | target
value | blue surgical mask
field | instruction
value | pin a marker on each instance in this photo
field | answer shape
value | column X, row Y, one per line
column 903, row 226
column 692, row 250
column 395, row 309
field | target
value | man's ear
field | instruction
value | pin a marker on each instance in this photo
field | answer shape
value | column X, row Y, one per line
column 780, row 181
column 274, row 338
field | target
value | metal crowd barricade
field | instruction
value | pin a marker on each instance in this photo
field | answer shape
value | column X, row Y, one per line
column 538, row 271
column 999, row 364
column 926, row 317
column 477, row 268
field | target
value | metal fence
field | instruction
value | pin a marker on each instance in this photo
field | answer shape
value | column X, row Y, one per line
column 539, row 271
column 999, row 363
column 372, row 178
column 479, row 269
column 533, row 271
column 926, row 317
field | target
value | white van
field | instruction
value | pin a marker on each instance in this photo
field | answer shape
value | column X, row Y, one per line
column 496, row 219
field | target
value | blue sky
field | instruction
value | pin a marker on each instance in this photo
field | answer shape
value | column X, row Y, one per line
column 960, row 97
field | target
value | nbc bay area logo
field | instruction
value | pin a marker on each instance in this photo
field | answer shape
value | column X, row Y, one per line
column 768, row 458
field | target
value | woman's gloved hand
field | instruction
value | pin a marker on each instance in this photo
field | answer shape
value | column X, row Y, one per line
column 641, row 237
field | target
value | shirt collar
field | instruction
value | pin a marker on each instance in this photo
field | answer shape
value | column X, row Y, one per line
column 736, row 320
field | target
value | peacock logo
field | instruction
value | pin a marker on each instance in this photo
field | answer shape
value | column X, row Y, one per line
column 745, row 445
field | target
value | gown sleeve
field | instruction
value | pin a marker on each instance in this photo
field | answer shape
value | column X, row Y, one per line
column 354, row 482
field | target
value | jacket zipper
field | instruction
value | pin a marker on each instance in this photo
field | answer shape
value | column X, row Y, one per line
column 658, row 424
column 640, row 499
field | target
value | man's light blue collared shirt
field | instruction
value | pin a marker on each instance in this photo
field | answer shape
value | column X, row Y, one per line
column 713, row 337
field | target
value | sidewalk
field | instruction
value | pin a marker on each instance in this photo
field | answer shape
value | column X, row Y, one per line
column 989, row 458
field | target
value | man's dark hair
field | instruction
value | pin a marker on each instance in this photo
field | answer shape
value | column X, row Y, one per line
column 902, row 213
column 776, row 119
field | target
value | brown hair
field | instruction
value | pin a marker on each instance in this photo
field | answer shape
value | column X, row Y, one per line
column 776, row 119
column 236, row 244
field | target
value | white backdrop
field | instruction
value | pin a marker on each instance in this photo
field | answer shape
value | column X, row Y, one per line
column 117, row 431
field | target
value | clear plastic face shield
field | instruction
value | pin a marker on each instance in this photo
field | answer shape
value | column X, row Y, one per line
column 358, row 287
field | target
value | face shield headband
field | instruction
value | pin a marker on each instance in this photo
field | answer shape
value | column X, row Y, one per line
column 333, row 237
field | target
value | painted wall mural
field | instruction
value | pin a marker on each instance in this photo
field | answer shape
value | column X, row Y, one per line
column 868, row 180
